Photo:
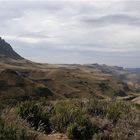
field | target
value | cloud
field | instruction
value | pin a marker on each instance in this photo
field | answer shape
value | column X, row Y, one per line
column 81, row 29
column 113, row 19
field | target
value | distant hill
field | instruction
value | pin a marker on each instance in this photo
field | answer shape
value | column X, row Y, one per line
column 58, row 82
column 6, row 51
column 134, row 70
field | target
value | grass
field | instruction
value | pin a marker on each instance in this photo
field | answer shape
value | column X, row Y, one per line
column 13, row 132
column 84, row 119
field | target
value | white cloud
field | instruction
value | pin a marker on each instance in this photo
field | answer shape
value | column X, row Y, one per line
column 72, row 26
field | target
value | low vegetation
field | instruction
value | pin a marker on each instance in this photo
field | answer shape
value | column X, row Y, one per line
column 13, row 132
column 83, row 119
column 35, row 116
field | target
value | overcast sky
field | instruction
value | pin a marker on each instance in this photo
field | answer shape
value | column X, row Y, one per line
column 74, row 31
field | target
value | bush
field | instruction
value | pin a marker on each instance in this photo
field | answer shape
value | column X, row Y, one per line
column 27, row 109
column 13, row 132
column 82, row 129
column 63, row 114
column 35, row 116
column 114, row 111
column 96, row 107
column 74, row 117
column 67, row 117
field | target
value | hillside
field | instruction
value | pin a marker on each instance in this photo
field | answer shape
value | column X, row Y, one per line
column 59, row 81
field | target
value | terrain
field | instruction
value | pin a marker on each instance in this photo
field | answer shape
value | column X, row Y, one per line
column 45, row 93
column 32, row 80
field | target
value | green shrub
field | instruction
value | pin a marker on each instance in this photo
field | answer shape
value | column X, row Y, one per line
column 96, row 107
column 67, row 117
column 81, row 129
column 62, row 114
column 74, row 117
column 114, row 111
column 13, row 132
column 35, row 116
column 28, row 108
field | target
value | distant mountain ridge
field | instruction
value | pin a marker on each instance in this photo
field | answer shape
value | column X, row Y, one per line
column 7, row 51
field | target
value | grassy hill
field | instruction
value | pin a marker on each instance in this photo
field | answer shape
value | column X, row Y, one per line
column 31, row 80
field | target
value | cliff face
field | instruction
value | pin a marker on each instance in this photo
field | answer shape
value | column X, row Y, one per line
column 7, row 51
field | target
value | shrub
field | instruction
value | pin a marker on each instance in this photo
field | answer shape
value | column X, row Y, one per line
column 67, row 117
column 114, row 111
column 28, row 108
column 82, row 129
column 62, row 114
column 35, row 116
column 96, row 107
column 13, row 132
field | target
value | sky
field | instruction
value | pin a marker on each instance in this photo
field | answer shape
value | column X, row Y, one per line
column 73, row 31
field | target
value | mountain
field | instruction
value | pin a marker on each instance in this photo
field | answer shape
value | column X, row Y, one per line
column 134, row 70
column 7, row 51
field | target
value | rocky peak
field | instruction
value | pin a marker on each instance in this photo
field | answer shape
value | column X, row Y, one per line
column 7, row 51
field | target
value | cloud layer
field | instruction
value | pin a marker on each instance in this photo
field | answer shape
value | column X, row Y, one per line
column 86, row 31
